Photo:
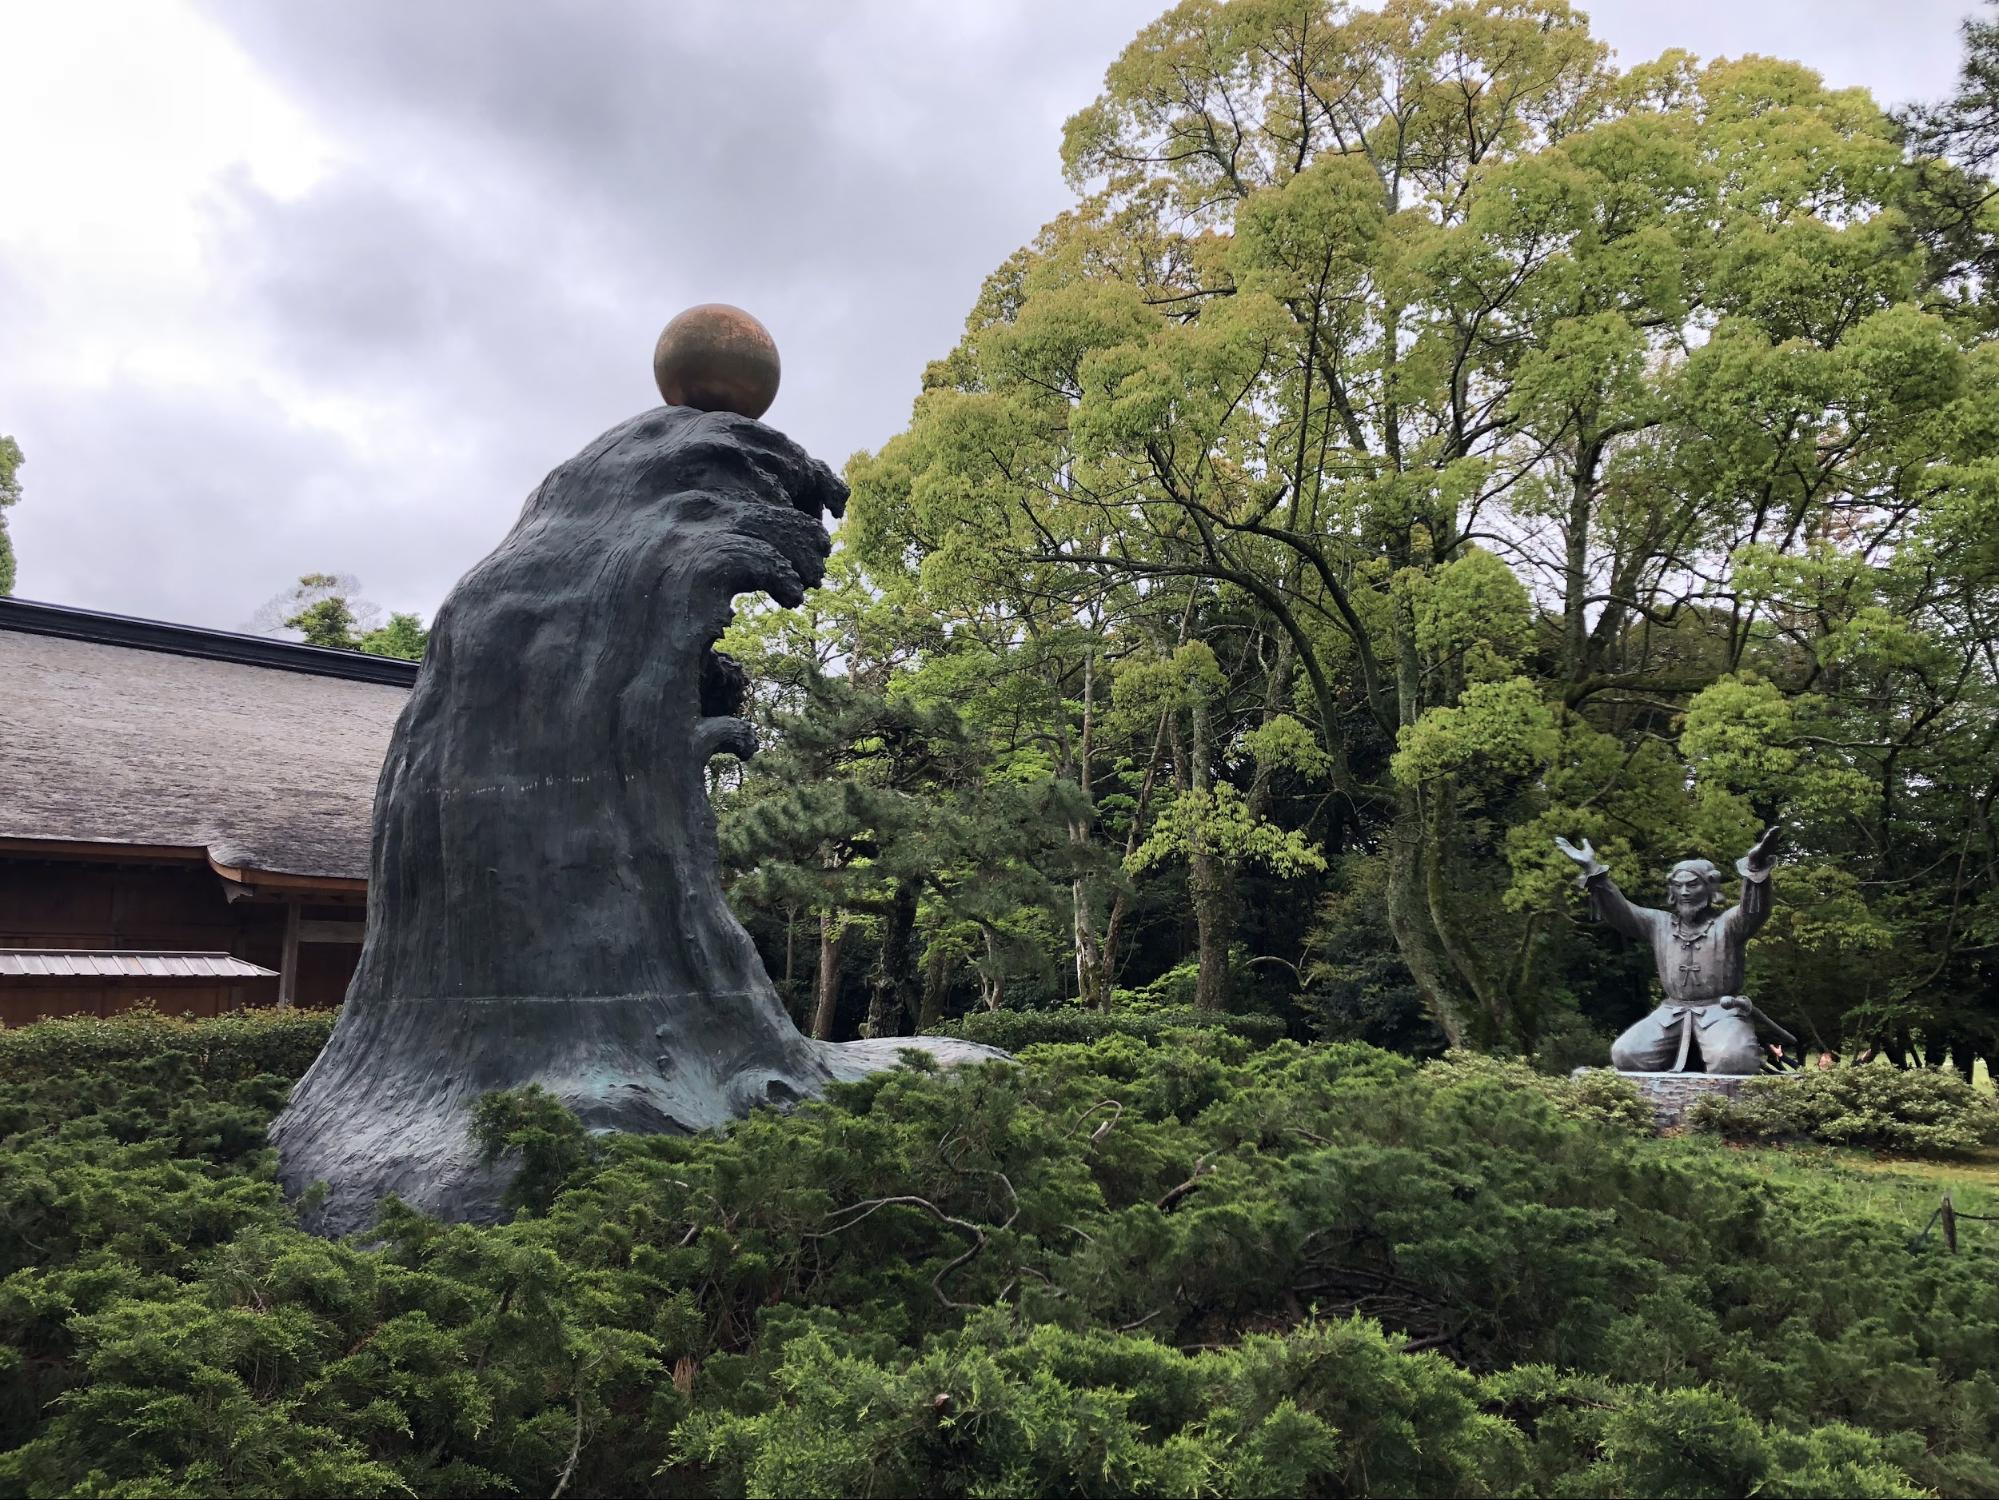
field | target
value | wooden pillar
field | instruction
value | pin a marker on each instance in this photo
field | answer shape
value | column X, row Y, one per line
column 288, row 967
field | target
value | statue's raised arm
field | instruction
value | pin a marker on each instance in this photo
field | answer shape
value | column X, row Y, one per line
column 1763, row 853
column 1584, row 856
column 1753, row 910
column 1607, row 902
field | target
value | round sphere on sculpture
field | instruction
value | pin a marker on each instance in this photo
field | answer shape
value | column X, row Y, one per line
column 717, row 358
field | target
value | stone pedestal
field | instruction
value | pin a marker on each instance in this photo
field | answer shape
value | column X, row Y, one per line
column 1671, row 1095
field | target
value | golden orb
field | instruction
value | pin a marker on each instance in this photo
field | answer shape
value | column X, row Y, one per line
column 717, row 358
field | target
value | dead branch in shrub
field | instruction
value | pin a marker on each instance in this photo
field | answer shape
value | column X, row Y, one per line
column 868, row 1205
column 1201, row 1169
column 1117, row 1113
column 1434, row 1341
column 576, row 1443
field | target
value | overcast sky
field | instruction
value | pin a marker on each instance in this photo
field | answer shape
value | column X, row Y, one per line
column 292, row 287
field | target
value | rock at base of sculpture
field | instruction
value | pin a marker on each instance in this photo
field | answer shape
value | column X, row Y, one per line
column 849, row 1061
column 545, row 902
column 406, row 1129
column 1672, row 1095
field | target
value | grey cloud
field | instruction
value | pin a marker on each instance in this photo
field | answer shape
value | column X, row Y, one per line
column 184, row 495
column 520, row 196
column 360, row 281
column 692, row 144
column 523, row 193
column 528, row 201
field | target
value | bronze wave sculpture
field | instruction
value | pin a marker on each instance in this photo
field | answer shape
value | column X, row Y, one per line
column 544, row 903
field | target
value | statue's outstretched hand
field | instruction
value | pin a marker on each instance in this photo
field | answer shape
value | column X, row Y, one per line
column 1763, row 853
column 1585, row 856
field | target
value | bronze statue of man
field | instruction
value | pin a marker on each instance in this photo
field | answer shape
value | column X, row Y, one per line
column 1698, row 949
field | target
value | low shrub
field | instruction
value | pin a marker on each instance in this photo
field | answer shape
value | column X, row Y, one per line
column 236, row 1046
column 1918, row 1110
column 1011, row 1030
column 1187, row 1266
column 1597, row 1095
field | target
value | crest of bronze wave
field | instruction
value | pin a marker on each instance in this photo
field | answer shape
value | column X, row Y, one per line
column 544, row 902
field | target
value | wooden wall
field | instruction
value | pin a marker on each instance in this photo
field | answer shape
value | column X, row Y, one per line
column 25, row 1000
column 60, row 903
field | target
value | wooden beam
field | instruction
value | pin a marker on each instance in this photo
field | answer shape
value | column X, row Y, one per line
column 288, row 969
column 332, row 932
column 105, row 852
column 108, row 852
column 270, row 880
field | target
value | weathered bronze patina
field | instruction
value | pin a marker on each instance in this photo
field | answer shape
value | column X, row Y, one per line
column 544, row 900
column 1698, row 948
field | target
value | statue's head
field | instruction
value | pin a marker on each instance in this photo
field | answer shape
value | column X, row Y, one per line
column 1692, row 886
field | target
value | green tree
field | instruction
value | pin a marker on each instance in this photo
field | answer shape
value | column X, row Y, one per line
column 327, row 610
column 1953, row 144
column 403, row 636
column 1487, row 390
column 10, row 494
column 328, row 620
column 880, row 811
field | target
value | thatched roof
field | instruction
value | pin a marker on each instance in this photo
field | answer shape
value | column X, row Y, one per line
column 262, row 754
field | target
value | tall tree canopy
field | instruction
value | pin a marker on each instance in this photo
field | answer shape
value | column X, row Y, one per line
column 1420, row 438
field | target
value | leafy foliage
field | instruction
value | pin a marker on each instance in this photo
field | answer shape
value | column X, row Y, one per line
column 1011, row 1030
column 547, row 1144
column 1596, row 1094
column 43, row 1060
column 1925, row 1110
column 1182, row 1267
column 326, row 610
column 10, row 494
column 1439, row 438
column 403, row 636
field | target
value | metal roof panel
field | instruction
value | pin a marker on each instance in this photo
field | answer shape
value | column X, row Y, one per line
column 73, row 963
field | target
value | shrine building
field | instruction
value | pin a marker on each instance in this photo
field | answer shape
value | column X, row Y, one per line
column 184, row 813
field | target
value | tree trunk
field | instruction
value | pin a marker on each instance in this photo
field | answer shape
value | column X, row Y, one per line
column 1575, row 564
column 1214, row 920
column 1492, row 1015
column 992, row 973
column 1211, row 881
column 1276, row 686
column 893, row 999
column 1416, row 940
column 1082, row 897
column 1103, row 978
column 1090, row 991
column 791, row 961
column 936, row 982
column 832, row 938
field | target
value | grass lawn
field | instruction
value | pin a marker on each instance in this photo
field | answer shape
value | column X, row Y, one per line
column 1898, row 1186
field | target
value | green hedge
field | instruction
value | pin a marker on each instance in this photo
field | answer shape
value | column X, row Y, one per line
column 1188, row 1265
column 197, row 1086
column 1012, row 1030
column 240, row 1045
column 1922, row 1110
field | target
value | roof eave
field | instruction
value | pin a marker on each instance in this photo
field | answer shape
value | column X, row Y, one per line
column 108, row 851
column 32, row 617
